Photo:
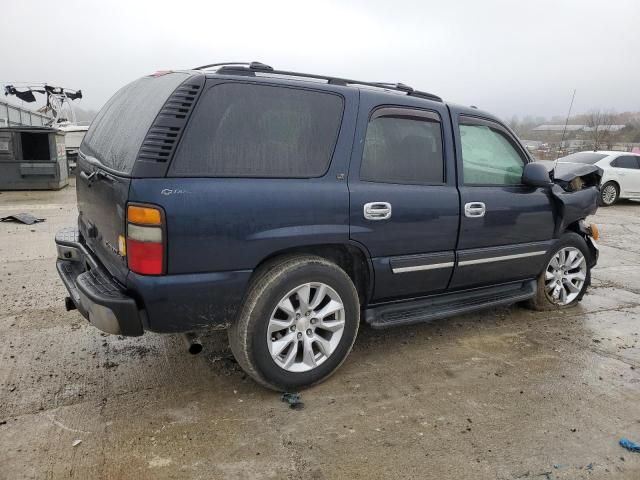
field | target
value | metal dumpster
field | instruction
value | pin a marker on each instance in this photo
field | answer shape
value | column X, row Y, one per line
column 32, row 158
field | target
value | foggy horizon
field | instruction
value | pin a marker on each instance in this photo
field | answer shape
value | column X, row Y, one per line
column 525, row 61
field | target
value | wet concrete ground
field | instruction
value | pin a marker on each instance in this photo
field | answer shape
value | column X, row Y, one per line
column 503, row 394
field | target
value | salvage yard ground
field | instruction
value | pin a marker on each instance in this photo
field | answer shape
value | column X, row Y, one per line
column 503, row 394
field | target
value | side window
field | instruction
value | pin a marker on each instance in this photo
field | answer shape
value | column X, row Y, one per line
column 489, row 157
column 625, row 162
column 248, row 130
column 403, row 149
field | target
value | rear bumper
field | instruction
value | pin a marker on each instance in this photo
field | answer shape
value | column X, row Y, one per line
column 158, row 303
column 96, row 295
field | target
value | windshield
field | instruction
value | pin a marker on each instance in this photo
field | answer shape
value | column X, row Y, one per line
column 583, row 157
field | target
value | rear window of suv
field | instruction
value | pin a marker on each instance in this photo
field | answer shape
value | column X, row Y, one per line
column 248, row 130
column 117, row 132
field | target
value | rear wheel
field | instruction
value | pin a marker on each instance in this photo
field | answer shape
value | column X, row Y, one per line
column 566, row 276
column 609, row 194
column 298, row 323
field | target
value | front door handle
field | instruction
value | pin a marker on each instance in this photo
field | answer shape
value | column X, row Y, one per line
column 377, row 211
column 474, row 209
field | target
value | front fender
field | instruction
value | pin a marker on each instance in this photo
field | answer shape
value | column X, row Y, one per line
column 571, row 207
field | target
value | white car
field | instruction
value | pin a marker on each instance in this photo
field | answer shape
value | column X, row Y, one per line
column 621, row 173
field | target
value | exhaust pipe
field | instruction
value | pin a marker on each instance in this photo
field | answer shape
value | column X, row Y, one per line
column 194, row 345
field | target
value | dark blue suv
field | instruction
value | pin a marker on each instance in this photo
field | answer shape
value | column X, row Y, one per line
column 284, row 206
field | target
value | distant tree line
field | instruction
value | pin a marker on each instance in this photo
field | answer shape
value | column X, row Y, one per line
column 598, row 122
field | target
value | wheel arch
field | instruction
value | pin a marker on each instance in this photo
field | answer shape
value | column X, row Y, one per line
column 351, row 257
column 581, row 228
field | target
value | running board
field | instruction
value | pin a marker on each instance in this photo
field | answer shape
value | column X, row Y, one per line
column 448, row 304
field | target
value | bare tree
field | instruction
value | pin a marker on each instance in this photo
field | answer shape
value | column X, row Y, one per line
column 599, row 123
column 610, row 141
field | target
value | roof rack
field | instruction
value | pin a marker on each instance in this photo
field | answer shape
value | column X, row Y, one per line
column 246, row 68
column 252, row 65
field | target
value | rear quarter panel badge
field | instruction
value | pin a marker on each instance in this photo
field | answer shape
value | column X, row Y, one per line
column 169, row 191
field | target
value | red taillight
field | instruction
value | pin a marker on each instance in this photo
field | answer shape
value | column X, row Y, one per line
column 145, row 242
column 145, row 257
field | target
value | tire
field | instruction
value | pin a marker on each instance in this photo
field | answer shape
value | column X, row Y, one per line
column 256, row 336
column 544, row 300
column 609, row 194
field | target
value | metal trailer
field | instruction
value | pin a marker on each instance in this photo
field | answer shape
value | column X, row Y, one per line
column 32, row 158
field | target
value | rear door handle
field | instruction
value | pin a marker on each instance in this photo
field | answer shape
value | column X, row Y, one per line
column 474, row 209
column 377, row 211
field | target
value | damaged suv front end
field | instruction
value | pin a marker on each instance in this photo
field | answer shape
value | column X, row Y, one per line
column 575, row 192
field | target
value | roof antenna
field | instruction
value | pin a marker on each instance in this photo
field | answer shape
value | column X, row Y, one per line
column 564, row 130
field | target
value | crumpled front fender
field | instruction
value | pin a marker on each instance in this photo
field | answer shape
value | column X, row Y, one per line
column 573, row 206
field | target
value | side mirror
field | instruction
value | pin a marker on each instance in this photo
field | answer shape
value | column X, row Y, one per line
column 536, row 175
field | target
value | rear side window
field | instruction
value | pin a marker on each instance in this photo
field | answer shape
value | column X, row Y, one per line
column 245, row 130
column 117, row 132
column 489, row 156
column 403, row 149
column 627, row 161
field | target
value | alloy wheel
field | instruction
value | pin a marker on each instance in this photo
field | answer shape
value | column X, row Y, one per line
column 306, row 326
column 609, row 194
column 565, row 275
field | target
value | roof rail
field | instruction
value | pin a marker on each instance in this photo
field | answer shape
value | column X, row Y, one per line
column 252, row 65
column 246, row 68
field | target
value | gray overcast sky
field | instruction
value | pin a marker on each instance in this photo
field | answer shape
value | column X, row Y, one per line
column 516, row 57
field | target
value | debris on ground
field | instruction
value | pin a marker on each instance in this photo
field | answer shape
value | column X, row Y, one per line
column 25, row 218
column 293, row 399
column 630, row 445
column 76, row 443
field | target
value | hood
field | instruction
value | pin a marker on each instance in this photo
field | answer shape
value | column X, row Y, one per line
column 573, row 177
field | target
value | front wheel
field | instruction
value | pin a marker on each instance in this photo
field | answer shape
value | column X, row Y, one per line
column 566, row 276
column 298, row 323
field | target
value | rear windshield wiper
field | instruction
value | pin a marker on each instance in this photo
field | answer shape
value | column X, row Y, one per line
column 95, row 175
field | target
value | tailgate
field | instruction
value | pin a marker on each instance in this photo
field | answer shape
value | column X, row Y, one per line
column 107, row 157
column 102, row 200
